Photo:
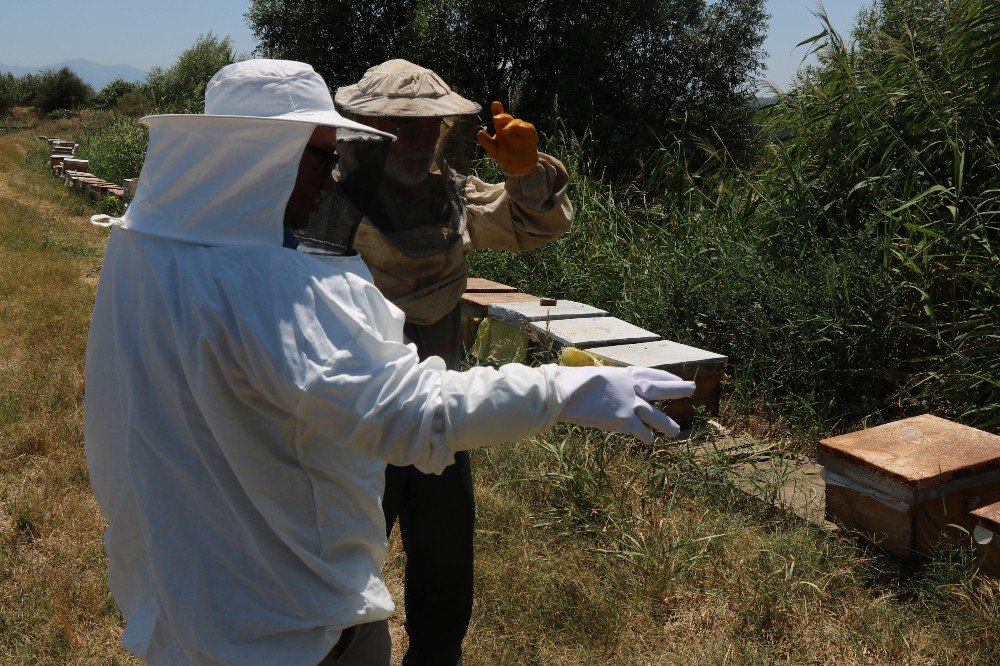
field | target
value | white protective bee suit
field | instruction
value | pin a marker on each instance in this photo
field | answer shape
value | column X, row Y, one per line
column 242, row 399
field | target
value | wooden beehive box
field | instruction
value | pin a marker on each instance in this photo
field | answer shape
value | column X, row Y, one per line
column 704, row 367
column 986, row 534
column 904, row 485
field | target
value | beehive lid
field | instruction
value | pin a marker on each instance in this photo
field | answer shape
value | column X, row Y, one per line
column 533, row 310
column 482, row 285
column 591, row 332
column 918, row 452
column 663, row 355
column 475, row 303
column 989, row 517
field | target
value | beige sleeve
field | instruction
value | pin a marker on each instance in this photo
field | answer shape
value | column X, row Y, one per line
column 522, row 213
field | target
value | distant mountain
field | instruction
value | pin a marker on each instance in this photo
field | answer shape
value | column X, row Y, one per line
column 95, row 74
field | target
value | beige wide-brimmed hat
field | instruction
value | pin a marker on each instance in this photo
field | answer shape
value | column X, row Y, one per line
column 398, row 88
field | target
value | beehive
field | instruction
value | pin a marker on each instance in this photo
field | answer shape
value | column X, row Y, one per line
column 905, row 485
column 705, row 368
column 987, row 537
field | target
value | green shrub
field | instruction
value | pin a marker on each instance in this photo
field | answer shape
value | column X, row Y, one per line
column 181, row 87
column 115, row 146
column 61, row 89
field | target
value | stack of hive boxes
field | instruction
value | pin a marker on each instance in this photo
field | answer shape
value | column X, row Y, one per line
column 551, row 325
column 75, row 171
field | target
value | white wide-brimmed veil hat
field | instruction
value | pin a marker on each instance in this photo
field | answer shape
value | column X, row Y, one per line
column 399, row 88
column 278, row 90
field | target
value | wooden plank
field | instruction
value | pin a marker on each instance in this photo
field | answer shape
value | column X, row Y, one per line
column 989, row 516
column 918, row 452
column 590, row 332
column 533, row 310
column 937, row 519
column 480, row 285
column 890, row 529
column 475, row 304
column 666, row 355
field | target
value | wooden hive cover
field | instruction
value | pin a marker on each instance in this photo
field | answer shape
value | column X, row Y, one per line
column 663, row 355
column 482, row 285
column 591, row 332
column 989, row 517
column 918, row 452
column 475, row 303
column 533, row 310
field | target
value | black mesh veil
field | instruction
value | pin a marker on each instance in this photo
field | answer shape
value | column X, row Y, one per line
column 410, row 190
column 357, row 178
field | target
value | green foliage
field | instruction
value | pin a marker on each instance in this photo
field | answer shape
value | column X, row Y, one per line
column 115, row 146
column 134, row 104
column 629, row 72
column 61, row 89
column 181, row 87
column 17, row 90
column 852, row 273
column 108, row 96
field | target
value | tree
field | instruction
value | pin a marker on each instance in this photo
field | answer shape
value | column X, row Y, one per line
column 631, row 73
column 108, row 96
column 340, row 39
column 61, row 89
column 181, row 87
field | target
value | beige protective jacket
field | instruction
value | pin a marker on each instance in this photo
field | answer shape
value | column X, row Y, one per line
column 522, row 213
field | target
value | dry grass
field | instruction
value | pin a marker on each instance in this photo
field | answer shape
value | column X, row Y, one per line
column 54, row 604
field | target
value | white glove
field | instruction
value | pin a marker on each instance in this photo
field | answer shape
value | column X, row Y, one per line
column 614, row 399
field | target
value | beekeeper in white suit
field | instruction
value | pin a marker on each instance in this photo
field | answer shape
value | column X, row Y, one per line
column 243, row 398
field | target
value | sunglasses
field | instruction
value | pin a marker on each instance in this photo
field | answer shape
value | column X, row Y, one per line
column 327, row 158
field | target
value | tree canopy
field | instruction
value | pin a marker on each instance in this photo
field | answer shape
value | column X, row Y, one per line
column 630, row 73
column 180, row 88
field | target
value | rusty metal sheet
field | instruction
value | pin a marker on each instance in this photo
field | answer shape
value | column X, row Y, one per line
column 481, row 285
column 989, row 517
column 918, row 452
column 664, row 355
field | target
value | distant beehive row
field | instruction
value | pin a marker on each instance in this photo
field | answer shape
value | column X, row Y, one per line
column 74, row 171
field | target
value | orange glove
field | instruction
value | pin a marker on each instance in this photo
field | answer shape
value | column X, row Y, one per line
column 515, row 144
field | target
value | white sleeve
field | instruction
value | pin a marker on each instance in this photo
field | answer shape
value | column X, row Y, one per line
column 408, row 413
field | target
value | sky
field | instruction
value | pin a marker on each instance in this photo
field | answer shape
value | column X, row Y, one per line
column 147, row 34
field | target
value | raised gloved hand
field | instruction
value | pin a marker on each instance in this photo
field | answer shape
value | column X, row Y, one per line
column 614, row 399
column 515, row 144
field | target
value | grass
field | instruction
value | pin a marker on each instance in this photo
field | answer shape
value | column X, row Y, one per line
column 54, row 603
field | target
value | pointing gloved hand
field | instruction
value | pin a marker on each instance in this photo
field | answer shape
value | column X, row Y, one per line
column 614, row 399
column 515, row 144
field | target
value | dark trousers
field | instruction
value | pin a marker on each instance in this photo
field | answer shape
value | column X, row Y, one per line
column 436, row 515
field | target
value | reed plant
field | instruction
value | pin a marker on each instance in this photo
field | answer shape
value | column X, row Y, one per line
column 850, row 272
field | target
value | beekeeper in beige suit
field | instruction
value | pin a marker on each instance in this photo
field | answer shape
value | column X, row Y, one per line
column 427, row 215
